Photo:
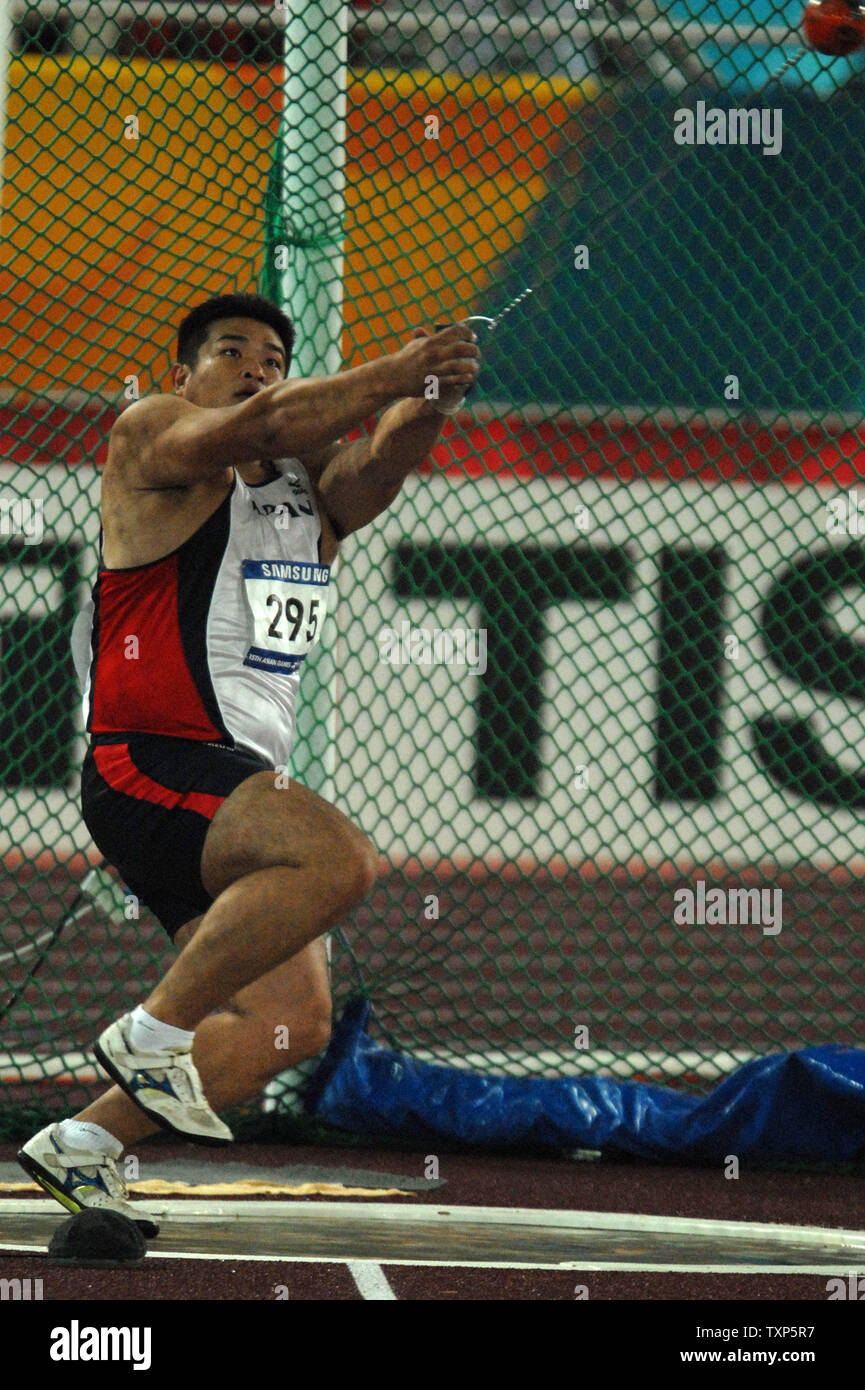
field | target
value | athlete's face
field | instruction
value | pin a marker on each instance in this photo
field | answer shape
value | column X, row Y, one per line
column 238, row 358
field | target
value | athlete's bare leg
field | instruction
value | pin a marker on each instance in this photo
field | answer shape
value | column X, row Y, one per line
column 236, row 1053
column 283, row 866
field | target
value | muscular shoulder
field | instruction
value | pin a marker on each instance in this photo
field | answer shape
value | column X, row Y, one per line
column 143, row 521
column 137, row 424
column 128, row 463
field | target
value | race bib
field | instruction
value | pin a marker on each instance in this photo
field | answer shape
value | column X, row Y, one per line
column 287, row 602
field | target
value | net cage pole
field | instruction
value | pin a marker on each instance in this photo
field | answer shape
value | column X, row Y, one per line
column 311, row 184
column 5, row 41
column 311, row 149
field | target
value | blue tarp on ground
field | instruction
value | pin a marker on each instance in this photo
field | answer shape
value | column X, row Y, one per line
column 794, row 1106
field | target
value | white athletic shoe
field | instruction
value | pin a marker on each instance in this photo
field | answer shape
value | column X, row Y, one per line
column 79, row 1178
column 165, row 1085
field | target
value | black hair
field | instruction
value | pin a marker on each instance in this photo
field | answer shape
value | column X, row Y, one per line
column 192, row 333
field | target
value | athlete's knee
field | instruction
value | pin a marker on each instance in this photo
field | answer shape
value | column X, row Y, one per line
column 260, row 827
column 356, row 862
column 271, row 1043
column 345, row 868
column 285, row 1045
column 309, row 1037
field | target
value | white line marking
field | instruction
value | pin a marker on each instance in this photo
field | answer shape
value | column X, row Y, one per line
column 370, row 1280
column 566, row 1267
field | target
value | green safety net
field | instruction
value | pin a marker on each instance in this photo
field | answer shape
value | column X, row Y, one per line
column 595, row 681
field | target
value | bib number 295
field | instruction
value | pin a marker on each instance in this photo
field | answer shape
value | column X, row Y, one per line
column 290, row 613
column 287, row 611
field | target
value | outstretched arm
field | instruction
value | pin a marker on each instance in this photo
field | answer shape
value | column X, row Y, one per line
column 171, row 442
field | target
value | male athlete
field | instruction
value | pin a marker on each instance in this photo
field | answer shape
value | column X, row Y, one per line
column 223, row 505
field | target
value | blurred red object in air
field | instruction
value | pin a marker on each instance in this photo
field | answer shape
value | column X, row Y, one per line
column 834, row 27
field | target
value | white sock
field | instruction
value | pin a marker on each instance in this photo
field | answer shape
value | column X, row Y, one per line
column 147, row 1034
column 83, row 1134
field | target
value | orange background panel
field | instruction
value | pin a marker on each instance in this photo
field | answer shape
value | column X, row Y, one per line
column 109, row 240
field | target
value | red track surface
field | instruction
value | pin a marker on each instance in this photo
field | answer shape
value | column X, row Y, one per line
column 806, row 1199
column 507, row 963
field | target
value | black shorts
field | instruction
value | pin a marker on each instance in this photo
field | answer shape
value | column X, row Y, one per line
column 148, row 802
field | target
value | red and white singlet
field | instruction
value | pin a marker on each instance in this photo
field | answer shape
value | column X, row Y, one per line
column 209, row 642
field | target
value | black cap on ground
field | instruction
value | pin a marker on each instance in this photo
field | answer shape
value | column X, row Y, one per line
column 97, row 1237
